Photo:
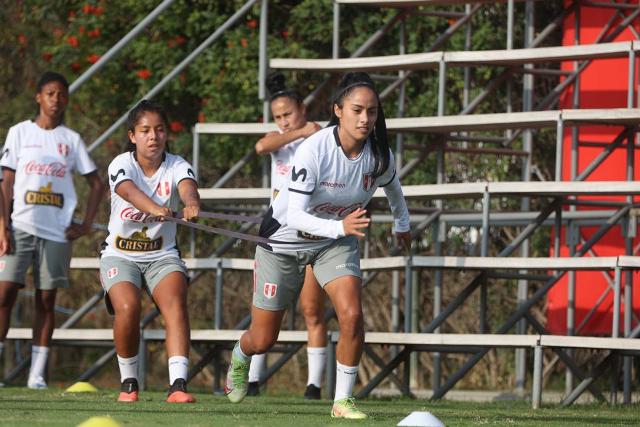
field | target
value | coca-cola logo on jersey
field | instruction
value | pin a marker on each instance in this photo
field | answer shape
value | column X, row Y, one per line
column 56, row 169
column 131, row 214
column 336, row 210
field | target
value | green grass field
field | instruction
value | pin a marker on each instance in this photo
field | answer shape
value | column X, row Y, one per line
column 23, row 407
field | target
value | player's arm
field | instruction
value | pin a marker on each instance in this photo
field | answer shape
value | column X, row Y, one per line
column 8, row 179
column 132, row 194
column 188, row 191
column 273, row 141
column 96, row 191
column 398, row 205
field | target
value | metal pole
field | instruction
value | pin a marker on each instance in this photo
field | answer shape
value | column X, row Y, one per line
column 177, row 70
column 484, row 248
column 615, row 327
column 559, row 148
column 118, row 46
column 262, row 55
column 336, row 31
column 536, row 394
column 262, row 73
column 217, row 324
column 629, row 235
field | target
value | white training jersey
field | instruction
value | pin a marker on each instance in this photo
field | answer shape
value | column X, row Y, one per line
column 281, row 165
column 325, row 186
column 44, row 197
column 136, row 235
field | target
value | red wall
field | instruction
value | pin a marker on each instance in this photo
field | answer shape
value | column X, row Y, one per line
column 603, row 85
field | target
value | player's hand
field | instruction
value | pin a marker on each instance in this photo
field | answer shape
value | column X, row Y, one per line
column 310, row 128
column 404, row 240
column 190, row 212
column 5, row 242
column 354, row 222
column 161, row 211
column 75, row 231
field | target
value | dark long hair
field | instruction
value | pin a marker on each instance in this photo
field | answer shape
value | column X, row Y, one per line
column 378, row 138
column 277, row 89
column 48, row 77
column 144, row 106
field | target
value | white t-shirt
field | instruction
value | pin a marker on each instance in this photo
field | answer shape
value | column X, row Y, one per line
column 281, row 165
column 325, row 186
column 133, row 234
column 44, row 197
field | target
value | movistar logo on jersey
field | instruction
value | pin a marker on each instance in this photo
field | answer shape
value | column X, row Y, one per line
column 44, row 197
column 295, row 174
column 138, row 242
column 114, row 177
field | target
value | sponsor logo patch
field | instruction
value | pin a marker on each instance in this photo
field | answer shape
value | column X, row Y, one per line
column 44, row 196
column 138, row 242
column 347, row 265
column 57, row 169
column 270, row 290
column 295, row 174
column 112, row 272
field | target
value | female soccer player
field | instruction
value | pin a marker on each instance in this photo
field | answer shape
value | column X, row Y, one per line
column 37, row 160
column 320, row 214
column 289, row 113
column 146, row 182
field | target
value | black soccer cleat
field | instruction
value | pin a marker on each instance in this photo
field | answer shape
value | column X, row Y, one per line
column 178, row 392
column 254, row 389
column 128, row 390
column 312, row 392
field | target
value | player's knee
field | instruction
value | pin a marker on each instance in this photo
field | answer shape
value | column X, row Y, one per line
column 312, row 317
column 127, row 310
column 352, row 322
column 263, row 342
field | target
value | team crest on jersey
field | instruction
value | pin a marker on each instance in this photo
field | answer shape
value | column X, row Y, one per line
column 270, row 290
column 112, row 272
column 367, row 181
column 63, row 149
column 138, row 242
column 45, row 197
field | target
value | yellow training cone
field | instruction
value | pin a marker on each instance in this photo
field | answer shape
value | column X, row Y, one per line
column 81, row 387
column 99, row 422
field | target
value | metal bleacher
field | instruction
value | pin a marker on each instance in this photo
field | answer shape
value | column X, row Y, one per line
column 471, row 129
column 557, row 193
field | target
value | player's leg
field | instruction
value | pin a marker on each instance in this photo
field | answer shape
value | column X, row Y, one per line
column 169, row 289
column 122, row 281
column 276, row 283
column 51, row 268
column 338, row 268
column 312, row 307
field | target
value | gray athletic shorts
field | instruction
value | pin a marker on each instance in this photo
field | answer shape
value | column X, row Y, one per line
column 50, row 261
column 146, row 275
column 278, row 277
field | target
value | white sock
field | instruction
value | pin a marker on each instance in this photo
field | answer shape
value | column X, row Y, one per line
column 178, row 368
column 39, row 355
column 345, row 380
column 316, row 360
column 257, row 367
column 237, row 351
column 128, row 367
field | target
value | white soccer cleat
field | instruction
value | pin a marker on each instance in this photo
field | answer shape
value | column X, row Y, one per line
column 37, row 383
column 237, row 383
